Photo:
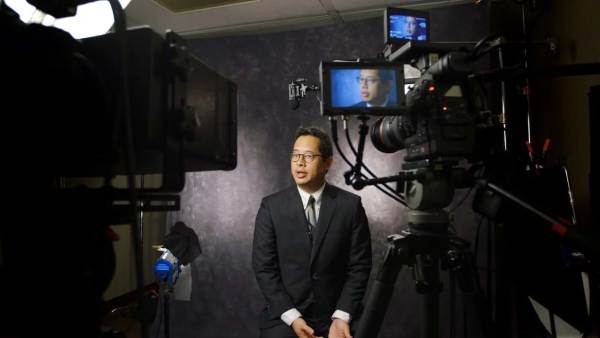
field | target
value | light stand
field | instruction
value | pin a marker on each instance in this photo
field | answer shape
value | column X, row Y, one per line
column 164, row 291
column 167, row 269
column 181, row 248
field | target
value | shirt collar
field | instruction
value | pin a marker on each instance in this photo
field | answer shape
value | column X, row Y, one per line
column 305, row 196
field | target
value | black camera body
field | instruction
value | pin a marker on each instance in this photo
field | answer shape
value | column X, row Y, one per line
column 442, row 113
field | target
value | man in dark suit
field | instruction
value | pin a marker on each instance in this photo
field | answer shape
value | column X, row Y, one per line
column 311, row 250
column 375, row 86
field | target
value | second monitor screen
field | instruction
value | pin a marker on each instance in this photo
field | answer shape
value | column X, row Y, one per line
column 406, row 27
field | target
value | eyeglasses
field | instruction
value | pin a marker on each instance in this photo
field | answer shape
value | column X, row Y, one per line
column 369, row 80
column 308, row 157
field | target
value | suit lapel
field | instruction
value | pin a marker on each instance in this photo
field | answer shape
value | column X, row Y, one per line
column 325, row 214
column 298, row 219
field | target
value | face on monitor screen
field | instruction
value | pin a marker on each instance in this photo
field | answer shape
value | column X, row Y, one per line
column 349, row 88
column 402, row 25
column 406, row 27
column 364, row 88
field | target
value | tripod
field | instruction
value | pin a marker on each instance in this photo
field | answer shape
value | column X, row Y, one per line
column 423, row 247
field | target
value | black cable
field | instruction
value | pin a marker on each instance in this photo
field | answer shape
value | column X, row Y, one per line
column 349, row 141
column 337, row 146
column 333, row 124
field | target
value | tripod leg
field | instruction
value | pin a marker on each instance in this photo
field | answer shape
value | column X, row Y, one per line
column 380, row 294
column 429, row 285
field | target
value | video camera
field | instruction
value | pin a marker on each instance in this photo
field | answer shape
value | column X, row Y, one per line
column 435, row 118
column 432, row 116
column 440, row 118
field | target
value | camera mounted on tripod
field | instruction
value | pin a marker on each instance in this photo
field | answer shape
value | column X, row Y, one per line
column 426, row 98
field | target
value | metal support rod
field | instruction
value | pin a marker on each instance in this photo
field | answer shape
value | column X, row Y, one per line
column 503, row 100
column 404, row 176
column 141, row 223
column 526, row 64
column 124, row 116
column 522, row 203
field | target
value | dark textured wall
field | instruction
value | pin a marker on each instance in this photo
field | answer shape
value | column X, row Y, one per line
column 221, row 206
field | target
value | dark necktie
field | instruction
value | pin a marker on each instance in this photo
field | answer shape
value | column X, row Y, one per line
column 311, row 214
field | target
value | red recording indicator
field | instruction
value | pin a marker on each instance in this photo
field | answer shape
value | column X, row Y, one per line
column 431, row 88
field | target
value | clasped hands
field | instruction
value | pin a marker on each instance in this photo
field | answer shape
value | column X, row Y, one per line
column 338, row 329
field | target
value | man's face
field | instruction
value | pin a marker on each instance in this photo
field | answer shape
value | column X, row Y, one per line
column 309, row 176
column 373, row 89
column 410, row 25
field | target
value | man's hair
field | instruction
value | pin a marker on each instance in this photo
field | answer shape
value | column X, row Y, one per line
column 386, row 74
column 325, row 146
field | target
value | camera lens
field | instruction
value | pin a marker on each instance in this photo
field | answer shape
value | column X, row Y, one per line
column 388, row 134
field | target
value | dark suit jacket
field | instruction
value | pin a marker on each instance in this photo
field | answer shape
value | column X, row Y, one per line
column 360, row 104
column 363, row 104
column 330, row 274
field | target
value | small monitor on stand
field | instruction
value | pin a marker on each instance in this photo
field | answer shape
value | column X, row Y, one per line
column 403, row 25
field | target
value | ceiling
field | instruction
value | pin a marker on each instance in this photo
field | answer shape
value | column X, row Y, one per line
column 209, row 18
